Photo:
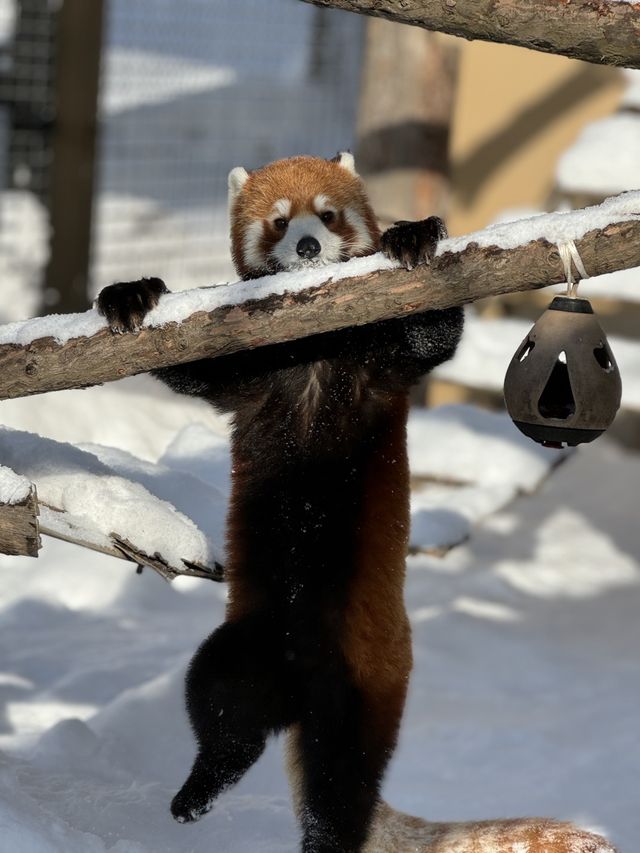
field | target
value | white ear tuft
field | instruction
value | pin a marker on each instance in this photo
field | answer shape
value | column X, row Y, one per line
column 346, row 160
column 236, row 180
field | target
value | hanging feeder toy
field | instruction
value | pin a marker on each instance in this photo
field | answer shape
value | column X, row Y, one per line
column 562, row 385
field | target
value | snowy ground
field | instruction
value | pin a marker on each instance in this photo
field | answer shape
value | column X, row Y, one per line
column 524, row 695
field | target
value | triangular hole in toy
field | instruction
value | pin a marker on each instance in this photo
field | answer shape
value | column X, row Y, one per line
column 557, row 400
column 525, row 350
column 603, row 358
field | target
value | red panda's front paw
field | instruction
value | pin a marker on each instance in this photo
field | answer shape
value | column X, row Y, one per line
column 126, row 304
column 413, row 243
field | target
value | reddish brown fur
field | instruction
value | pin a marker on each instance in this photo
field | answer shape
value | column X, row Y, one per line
column 377, row 641
column 298, row 179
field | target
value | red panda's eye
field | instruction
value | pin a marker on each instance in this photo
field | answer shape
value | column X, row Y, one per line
column 280, row 224
column 327, row 217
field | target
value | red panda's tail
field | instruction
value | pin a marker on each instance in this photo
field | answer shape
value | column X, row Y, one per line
column 395, row 832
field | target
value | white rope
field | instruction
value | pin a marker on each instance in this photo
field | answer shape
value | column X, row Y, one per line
column 568, row 253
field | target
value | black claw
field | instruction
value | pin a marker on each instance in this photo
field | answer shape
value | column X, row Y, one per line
column 413, row 243
column 185, row 811
column 126, row 303
column 196, row 797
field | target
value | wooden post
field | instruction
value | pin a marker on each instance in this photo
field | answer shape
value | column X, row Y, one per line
column 407, row 94
column 19, row 534
column 76, row 79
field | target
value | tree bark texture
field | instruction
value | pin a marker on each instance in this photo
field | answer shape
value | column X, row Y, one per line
column 451, row 279
column 602, row 31
column 19, row 533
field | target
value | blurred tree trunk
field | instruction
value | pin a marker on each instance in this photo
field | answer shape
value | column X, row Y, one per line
column 77, row 72
column 407, row 99
column 406, row 102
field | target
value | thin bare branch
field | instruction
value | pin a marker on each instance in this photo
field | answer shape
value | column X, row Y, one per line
column 123, row 549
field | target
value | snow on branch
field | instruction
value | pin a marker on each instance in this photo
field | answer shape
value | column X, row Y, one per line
column 602, row 31
column 173, row 520
column 105, row 500
column 78, row 350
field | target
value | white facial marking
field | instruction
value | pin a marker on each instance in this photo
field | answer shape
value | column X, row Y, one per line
column 362, row 240
column 281, row 208
column 321, row 204
column 285, row 251
column 252, row 247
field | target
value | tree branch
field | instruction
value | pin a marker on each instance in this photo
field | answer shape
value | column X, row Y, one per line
column 463, row 271
column 66, row 530
column 602, row 31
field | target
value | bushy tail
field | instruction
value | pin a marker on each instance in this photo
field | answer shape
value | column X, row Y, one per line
column 395, row 832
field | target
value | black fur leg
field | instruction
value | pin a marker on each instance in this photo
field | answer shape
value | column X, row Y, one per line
column 413, row 243
column 211, row 774
column 236, row 697
column 342, row 788
column 126, row 304
column 343, row 759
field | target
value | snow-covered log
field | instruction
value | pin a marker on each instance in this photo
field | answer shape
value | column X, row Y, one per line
column 105, row 501
column 19, row 533
column 77, row 350
column 603, row 31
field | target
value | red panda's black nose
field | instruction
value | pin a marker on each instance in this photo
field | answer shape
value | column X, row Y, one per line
column 308, row 247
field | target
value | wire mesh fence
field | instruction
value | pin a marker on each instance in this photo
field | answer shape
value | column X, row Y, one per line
column 27, row 51
column 27, row 46
column 187, row 91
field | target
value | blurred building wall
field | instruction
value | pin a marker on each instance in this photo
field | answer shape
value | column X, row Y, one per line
column 516, row 111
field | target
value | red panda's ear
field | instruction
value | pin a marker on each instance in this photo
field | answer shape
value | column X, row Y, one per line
column 346, row 160
column 237, row 179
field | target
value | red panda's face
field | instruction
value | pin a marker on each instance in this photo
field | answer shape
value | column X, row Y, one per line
column 298, row 213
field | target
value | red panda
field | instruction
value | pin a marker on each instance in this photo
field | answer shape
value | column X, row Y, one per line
column 316, row 640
